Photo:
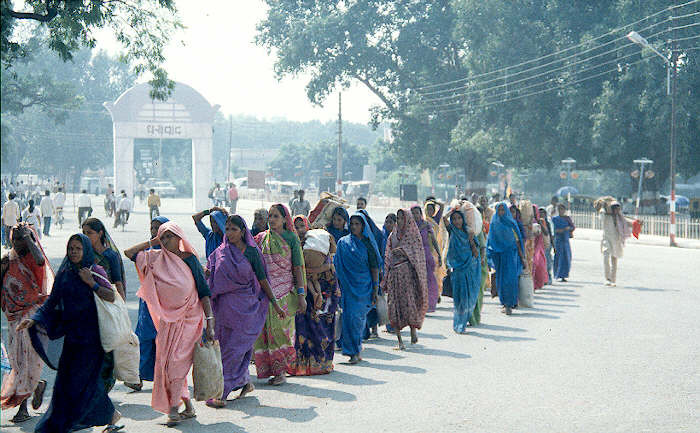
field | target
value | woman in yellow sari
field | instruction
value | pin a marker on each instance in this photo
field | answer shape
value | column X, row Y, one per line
column 433, row 212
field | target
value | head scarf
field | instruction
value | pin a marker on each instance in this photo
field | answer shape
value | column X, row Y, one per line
column 76, row 299
column 163, row 220
column 351, row 261
column 437, row 215
column 22, row 287
column 288, row 223
column 232, row 270
column 411, row 242
column 167, row 283
column 379, row 238
column 304, row 219
column 337, row 234
column 502, row 231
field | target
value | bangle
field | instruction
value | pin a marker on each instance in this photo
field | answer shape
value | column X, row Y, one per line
column 209, row 318
column 300, row 290
column 95, row 287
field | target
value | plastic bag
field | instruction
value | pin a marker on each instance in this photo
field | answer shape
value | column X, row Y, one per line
column 526, row 291
column 382, row 310
column 207, row 371
column 113, row 320
column 126, row 360
column 338, row 324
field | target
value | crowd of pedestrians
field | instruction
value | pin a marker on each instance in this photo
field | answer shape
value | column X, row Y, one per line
column 284, row 294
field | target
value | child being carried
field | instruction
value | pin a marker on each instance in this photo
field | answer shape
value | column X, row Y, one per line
column 318, row 245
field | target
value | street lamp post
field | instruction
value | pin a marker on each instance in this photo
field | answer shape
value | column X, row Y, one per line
column 642, row 162
column 568, row 162
column 499, row 172
column 670, row 91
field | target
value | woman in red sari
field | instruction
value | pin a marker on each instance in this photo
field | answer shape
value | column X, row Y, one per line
column 26, row 278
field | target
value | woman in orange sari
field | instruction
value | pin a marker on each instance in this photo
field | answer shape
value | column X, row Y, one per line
column 26, row 278
column 178, row 297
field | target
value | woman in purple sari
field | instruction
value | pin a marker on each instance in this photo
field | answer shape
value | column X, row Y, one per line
column 240, row 297
column 429, row 245
column 315, row 337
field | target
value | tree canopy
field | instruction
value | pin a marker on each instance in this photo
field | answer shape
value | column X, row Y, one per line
column 527, row 83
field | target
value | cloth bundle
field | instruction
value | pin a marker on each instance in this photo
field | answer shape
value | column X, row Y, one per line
column 321, row 215
column 207, row 371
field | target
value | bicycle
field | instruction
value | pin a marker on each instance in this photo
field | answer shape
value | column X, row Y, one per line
column 122, row 219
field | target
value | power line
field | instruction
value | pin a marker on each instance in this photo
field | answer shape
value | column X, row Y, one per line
column 560, row 51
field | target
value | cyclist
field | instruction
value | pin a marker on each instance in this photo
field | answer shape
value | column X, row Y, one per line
column 58, row 201
column 122, row 214
column 153, row 203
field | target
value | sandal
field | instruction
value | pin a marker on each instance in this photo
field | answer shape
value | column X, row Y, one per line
column 112, row 428
column 173, row 420
column 216, row 403
column 135, row 386
column 187, row 415
column 20, row 417
column 38, row 394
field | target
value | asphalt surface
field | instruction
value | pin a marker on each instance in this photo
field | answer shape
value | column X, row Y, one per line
column 587, row 358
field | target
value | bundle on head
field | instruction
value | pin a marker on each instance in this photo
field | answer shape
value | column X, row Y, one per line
column 526, row 211
column 604, row 202
column 322, row 213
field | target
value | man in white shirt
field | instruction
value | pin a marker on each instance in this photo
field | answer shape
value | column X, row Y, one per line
column 47, row 208
column 124, row 207
column 10, row 215
column 84, row 207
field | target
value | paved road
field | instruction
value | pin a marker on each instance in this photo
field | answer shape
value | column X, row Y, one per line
column 587, row 358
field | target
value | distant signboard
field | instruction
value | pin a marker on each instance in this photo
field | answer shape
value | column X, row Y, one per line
column 409, row 192
column 256, row 179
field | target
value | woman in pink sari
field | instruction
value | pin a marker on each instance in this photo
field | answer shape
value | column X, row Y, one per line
column 539, row 260
column 176, row 292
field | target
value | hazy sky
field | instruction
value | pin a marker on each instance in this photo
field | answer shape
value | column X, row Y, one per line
column 220, row 59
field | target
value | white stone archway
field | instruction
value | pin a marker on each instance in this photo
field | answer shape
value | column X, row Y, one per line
column 185, row 115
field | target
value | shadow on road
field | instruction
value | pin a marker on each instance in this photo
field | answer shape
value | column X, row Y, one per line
column 500, row 328
column 551, row 304
column 217, row 427
column 392, row 367
column 371, row 353
column 310, row 391
column 522, row 313
column 252, row 408
column 136, row 411
column 643, row 289
column 498, row 337
column 349, row 379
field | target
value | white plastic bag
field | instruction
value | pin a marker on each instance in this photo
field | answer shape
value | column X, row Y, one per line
column 526, row 292
column 113, row 319
column 126, row 360
column 382, row 310
column 318, row 240
column 207, row 371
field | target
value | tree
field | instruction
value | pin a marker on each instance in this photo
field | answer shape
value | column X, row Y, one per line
column 297, row 162
column 143, row 27
column 527, row 83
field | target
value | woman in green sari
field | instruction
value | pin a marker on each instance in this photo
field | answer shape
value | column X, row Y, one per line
column 284, row 259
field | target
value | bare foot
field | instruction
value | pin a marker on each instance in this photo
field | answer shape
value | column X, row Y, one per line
column 278, row 380
column 400, row 346
column 414, row 336
column 354, row 359
column 247, row 389
column 216, row 403
column 39, row 395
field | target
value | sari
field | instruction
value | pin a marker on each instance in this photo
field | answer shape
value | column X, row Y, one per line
column 274, row 347
column 337, row 234
column 425, row 231
column 240, row 306
column 315, row 332
column 146, row 331
column 539, row 261
column 526, row 219
column 405, row 278
column 434, row 222
column 168, row 287
column 562, row 246
column 466, row 274
column 352, row 265
column 212, row 240
column 475, row 319
column 66, row 336
column 24, row 289
column 380, row 240
column 502, row 253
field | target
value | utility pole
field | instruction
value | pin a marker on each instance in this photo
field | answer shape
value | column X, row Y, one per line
column 230, row 139
column 339, row 162
column 674, row 65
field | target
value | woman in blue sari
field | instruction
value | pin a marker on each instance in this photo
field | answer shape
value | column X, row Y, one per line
column 79, row 398
column 563, row 229
column 464, row 261
column 505, row 255
column 379, row 238
column 214, row 236
column 145, row 329
column 356, row 264
column 338, row 226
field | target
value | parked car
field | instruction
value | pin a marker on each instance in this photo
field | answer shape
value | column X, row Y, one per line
column 163, row 188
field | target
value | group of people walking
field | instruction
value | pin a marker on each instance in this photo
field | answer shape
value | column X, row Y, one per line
column 262, row 295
